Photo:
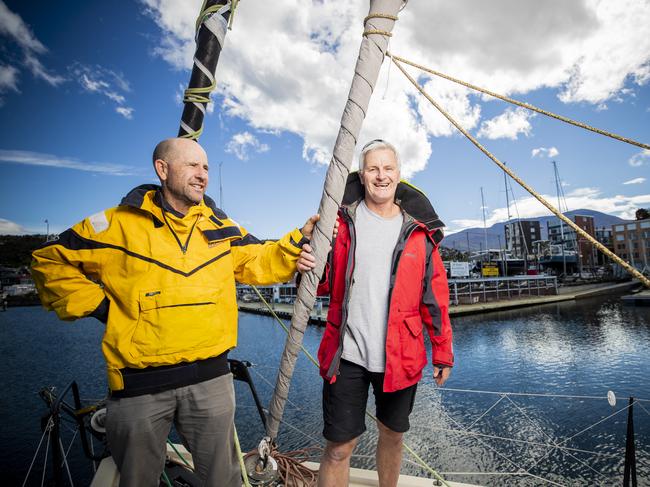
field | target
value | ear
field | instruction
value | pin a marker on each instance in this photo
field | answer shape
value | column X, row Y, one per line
column 161, row 169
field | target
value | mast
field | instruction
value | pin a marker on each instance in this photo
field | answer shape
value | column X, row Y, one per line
column 211, row 28
column 509, row 242
column 485, row 226
column 557, row 190
column 377, row 30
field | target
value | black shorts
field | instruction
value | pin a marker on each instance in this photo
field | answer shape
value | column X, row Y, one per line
column 344, row 403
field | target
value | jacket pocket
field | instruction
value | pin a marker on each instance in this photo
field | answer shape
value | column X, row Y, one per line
column 175, row 320
column 413, row 353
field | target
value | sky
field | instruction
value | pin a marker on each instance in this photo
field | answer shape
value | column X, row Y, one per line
column 87, row 89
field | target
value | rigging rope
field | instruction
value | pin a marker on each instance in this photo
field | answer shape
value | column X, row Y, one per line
column 520, row 103
column 48, row 426
column 522, row 183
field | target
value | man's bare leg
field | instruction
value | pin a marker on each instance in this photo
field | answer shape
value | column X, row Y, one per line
column 389, row 456
column 335, row 464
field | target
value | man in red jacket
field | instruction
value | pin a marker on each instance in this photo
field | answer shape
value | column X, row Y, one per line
column 386, row 283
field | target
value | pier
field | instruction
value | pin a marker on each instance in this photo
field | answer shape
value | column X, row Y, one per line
column 319, row 315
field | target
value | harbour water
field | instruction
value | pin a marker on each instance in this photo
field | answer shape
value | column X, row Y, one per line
column 583, row 348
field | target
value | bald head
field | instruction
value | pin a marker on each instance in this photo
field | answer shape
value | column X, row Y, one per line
column 176, row 148
column 182, row 167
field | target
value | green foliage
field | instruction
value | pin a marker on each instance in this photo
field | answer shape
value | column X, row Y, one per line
column 642, row 213
column 16, row 250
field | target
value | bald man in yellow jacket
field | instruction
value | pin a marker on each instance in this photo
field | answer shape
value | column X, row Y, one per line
column 160, row 271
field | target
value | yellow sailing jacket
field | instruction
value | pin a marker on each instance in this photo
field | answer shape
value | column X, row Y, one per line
column 166, row 282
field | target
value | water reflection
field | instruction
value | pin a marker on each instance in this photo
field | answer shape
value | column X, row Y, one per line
column 584, row 348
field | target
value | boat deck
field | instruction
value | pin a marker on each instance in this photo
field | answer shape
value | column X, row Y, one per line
column 108, row 476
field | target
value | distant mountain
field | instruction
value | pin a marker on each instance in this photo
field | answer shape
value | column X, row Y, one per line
column 477, row 237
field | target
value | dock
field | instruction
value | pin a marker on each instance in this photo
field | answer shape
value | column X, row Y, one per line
column 638, row 299
column 285, row 311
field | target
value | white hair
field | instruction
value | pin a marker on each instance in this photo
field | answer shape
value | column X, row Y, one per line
column 376, row 145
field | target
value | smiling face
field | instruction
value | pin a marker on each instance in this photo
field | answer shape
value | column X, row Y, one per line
column 380, row 176
column 182, row 167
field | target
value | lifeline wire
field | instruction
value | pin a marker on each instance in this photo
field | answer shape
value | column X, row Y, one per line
column 523, row 184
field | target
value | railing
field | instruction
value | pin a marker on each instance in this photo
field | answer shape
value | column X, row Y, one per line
column 483, row 290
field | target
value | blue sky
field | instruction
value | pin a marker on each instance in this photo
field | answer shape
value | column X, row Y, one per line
column 87, row 90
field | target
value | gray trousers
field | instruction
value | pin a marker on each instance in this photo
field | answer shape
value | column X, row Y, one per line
column 137, row 429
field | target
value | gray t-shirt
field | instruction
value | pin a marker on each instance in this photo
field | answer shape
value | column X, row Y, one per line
column 364, row 342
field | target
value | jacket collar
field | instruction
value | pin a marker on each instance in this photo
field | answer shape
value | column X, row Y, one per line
column 148, row 197
column 412, row 201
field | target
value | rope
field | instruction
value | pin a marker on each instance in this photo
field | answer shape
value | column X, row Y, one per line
column 184, row 460
column 284, row 326
column 292, row 469
column 65, row 462
column 528, row 106
column 38, row 448
column 368, row 32
column 530, row 394
column 240, row 457
column 523, row 184
column 166, row 479
column 506, row 458
column 200, row 96
column 47, row 449
column 555, row 444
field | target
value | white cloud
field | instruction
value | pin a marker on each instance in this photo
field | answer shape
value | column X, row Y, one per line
column 105, row 82
column 126, row 112
column 39, row 71
column 7, row 227
column 508, row 125
column 635, row 181
column 8, row 80
column 545, row 152
column 617, row 51
column 591, row 198
column 13, row 26
column 40, row 159
column 292, row 73
column 244, row 142
column 640, row 159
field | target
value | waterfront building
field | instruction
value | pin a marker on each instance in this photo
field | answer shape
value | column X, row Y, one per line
column 632, row 242
column 561, row 234
column 604, row 236
column 520, row 236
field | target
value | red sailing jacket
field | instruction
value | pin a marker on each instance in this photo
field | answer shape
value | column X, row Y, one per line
column 418, row 295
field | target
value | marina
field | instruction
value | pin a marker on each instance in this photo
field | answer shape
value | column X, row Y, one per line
column 491, row 295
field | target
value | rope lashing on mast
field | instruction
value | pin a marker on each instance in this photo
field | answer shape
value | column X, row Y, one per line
column 211, row 27
column 522, row 104
column 522, row 183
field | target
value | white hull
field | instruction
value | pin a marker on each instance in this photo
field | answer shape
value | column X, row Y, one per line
column 108, row 476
